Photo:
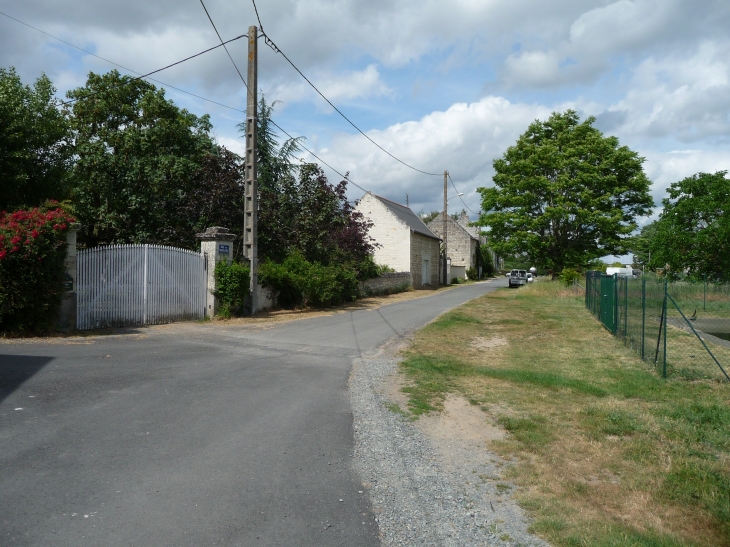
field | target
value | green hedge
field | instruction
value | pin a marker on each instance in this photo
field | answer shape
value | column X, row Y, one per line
column 233, row 287
column 32, row 256
column 300, row 282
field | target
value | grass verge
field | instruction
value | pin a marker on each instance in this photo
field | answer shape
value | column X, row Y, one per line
column 609, row 454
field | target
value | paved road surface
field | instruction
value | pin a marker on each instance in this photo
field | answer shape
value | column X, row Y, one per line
column 193, row 434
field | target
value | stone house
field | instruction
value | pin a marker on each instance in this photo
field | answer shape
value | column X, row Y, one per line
column 462, row 243
column 405, row 242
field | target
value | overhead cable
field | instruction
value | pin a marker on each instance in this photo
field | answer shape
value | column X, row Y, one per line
column 175, row 88
column 345, row 177
column 154, row 71
column 223, row 44
column 457, row 193
column 121, row 66
column 276, row 49
column 272, row 121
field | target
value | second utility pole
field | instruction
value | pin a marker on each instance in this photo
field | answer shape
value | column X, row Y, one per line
column 446, row 254
column 251, row 200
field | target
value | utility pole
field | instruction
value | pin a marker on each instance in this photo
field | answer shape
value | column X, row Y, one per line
column 251, row 200
column 445, row 235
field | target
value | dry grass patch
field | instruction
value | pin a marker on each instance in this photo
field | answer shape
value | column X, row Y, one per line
column 609, row 453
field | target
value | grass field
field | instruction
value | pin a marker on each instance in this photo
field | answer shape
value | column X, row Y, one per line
column 608, row 453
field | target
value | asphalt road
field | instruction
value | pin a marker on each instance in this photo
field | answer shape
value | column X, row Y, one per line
column 193, row 434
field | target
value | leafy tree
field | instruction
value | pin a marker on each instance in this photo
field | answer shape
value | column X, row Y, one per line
column 276, row 175
column 564, row 194
column 428, row 217
column 299, row 210
column 640, row 245
column 216, row 198
column 313, row 217
column 137, row 159
column 34, row 143
column 693, row 231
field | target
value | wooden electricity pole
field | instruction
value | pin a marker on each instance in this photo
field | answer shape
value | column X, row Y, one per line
column 445, row 235
column 251, row 200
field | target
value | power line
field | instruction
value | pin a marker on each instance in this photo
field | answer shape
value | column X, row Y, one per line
column 261, row 26
column 457, row 193
column 153, row 72
column 120, row 66
column 276, row 49
column 347, row 178
column 272, row 121
column 223, row 44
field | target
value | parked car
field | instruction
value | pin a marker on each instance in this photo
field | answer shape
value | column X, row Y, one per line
column 621, row 272
column 517, row 278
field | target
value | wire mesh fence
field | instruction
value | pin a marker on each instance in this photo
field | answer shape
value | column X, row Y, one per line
column 681, row 328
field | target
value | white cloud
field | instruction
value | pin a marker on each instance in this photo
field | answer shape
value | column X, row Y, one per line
column 464, row 139
column 347, row 86
column 603, row 36
column 664, row 168
column 687, row 97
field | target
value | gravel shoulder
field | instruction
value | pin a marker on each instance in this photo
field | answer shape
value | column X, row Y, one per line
column 433, row 481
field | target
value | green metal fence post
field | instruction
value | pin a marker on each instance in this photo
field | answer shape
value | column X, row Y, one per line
column 626, row 309
column 615, row 304
column 666, row 292
column 704, row 293
column 643, row 314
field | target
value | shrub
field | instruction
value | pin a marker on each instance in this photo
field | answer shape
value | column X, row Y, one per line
column 569, row 275
column 472, row 274
column 368, row 269
column 32, row 256
column 455, row 281
column 486, row 259
column 300, row 282
column 233, row 287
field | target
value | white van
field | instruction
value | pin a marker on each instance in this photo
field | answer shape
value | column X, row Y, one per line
column 621, row 272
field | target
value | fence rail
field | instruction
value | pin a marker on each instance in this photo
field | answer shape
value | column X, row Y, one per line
column 128, row 285
column 680, row 327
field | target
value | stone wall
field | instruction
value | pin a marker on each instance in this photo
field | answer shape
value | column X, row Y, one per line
column 461, row 245
column 424, row 248
column 390, row 233
column 386, row 283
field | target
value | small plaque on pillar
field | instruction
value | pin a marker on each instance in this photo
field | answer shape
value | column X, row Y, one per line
column 224, row 249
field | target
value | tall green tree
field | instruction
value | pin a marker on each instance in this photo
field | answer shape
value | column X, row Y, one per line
column 641, row 244
column 35, row 150
column 693, row 231
column 137, row 159
column 299, row 210
column 564, row 194
column 216, row 198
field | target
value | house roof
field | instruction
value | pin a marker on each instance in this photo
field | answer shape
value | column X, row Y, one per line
column 462, row 223
column 472, row 230
column 405, row 215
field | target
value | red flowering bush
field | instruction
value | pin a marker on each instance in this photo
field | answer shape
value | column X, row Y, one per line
column 32, row 255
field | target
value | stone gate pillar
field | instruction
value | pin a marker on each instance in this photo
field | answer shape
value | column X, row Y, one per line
column 67, row 313
column 217, row 244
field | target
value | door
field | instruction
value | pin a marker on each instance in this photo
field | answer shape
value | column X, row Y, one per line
column 609, row 302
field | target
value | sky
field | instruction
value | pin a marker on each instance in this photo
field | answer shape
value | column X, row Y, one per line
column 440, row 85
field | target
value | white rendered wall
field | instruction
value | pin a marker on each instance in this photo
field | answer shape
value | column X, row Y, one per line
column 393, row 235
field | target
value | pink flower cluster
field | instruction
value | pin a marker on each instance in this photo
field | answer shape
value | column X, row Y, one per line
column 29, row 231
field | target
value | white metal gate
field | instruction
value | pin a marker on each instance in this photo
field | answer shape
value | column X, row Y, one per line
column 125, row 285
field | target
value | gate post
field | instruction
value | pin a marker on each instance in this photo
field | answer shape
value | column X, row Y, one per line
column 216, row 245
column 67, row 313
